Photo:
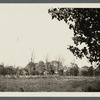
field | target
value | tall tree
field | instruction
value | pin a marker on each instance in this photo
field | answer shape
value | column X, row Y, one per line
column 85, row 22
column 1, row 69
column 40, row 68
column 30, row 68
column 74, row 69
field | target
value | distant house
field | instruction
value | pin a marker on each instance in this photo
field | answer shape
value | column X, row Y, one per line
column 56, row 65
column 49, row 69
column 66, row 70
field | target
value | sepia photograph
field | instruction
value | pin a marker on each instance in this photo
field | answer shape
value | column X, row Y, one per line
column 49, row 48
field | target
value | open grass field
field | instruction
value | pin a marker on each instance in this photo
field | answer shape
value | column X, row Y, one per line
column 50, row 84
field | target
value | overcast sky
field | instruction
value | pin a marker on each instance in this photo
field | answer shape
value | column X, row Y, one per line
column 25, row 27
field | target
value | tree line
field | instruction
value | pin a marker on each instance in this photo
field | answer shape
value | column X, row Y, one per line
column 49, row 68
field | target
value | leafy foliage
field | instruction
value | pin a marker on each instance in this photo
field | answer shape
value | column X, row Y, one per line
column 1, row 69
column 85, row 23
column 40, row 68
column 74, row 69
column 91, row 71
column 9, row 70
column 30, row 68
column 84, row 71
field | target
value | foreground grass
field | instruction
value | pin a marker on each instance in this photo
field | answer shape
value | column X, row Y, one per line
column 50, row 84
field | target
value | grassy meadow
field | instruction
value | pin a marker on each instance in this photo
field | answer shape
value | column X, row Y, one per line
column 50, row 84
